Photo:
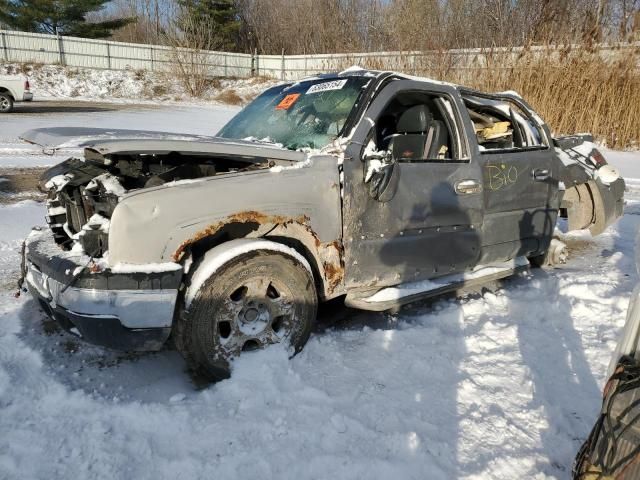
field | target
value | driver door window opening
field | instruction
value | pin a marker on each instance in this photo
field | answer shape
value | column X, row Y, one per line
column 418, row 127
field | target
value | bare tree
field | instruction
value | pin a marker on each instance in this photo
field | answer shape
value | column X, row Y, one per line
column 190, row 38
column 332, row 26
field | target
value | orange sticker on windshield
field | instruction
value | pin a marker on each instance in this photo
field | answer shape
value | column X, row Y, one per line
column 287, row 101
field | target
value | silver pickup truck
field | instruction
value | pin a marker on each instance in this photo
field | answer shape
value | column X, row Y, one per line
column 13, row 88
column 375, row 187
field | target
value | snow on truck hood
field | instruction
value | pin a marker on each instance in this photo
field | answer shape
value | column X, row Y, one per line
column 108, row 140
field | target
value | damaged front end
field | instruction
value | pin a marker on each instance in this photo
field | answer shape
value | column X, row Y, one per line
column 79, row 205
column 84, row 192
column 119, row 309
column 67, row 267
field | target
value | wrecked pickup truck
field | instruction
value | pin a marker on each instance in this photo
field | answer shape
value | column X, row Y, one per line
column 372, row 186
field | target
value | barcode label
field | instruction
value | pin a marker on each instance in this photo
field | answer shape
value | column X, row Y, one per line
column 323, row 87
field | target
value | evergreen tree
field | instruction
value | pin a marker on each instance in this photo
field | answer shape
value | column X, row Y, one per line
column 222, row 18
column 66, row 17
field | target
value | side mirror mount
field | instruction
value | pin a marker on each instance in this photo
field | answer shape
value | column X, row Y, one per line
column 382, row 173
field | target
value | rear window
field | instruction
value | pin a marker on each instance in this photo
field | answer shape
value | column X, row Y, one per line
column 501, row 124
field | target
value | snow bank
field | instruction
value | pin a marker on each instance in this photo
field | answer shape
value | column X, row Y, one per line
column 119, row 85
column 627, row 163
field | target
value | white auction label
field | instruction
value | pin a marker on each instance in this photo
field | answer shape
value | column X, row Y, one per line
column 323, row 87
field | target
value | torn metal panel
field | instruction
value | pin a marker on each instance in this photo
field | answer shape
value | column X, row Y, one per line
column 578, row 203
column 608, row 204
column 262, row 223
column 68, row 137
column 593, row 205
column 332, row 255
column 152, row 224
column 327, row 257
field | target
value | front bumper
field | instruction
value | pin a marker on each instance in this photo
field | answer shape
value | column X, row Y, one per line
column 123, row 311
column 27, row 96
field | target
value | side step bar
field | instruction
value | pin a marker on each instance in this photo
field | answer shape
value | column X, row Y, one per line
column 398, row 295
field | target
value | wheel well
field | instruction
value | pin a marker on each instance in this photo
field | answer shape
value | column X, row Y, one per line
column 299, row 247
column 230, row 231
column 4, row 90
column 578, row 207
column 233, row 231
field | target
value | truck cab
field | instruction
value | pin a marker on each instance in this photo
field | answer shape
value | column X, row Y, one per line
column 470, row 184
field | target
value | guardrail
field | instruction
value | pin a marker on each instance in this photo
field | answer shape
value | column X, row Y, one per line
column 23, row 47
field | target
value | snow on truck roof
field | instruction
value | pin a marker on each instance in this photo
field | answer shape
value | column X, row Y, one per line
column 356, row 71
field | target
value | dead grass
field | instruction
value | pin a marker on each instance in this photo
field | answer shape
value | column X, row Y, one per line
column 159, row 90
column 229, row 96
column 260, row 79
column 71, row 72
column 574, row 93
column 214, row 83
column 10, row 69
column 20, row 68
column 573, row 90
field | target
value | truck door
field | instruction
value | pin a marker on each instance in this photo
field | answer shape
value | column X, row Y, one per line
column 416, row 214
column 520, row 194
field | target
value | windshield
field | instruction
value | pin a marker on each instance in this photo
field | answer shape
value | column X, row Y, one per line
column 308, row 114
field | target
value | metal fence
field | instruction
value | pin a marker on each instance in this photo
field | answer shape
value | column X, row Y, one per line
column 22, row 47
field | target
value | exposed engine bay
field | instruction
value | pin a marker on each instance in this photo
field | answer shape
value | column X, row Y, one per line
column 83, row 193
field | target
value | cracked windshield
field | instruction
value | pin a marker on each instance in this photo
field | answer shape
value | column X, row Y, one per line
column 303, row 115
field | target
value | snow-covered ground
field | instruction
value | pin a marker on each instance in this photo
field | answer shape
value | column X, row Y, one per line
column 497, row 385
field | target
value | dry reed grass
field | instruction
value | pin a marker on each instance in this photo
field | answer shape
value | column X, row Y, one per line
column 577, row 93
column 573, row 89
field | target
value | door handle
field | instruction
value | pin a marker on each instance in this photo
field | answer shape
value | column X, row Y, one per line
column 468, row 187
column 540, row 174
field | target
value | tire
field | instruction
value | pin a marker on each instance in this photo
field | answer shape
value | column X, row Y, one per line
column 6, row 103
column 255, row 300
column 555, row 255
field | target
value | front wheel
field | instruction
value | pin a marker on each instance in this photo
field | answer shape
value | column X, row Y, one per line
column 255, row 300
column 6, row 103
